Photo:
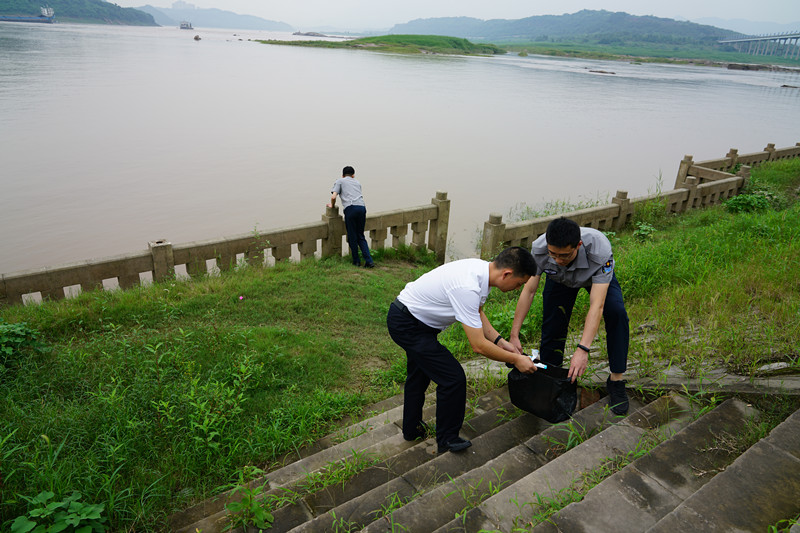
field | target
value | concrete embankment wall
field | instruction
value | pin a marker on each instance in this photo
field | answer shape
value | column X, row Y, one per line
column 164, row 260
column 698, row 184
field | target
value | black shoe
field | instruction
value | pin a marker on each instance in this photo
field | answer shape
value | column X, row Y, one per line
column 455, row 445
column 369, row 265
column 617, row 397
column 421, row 433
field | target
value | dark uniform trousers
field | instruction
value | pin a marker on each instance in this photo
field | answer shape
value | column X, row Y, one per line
column 558, row 301
column 428, row 360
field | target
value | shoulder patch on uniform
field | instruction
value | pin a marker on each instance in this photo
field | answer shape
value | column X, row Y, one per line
column 550, row 271
column 608, row 267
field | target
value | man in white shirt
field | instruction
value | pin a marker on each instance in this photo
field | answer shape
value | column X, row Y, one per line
column 453, row 292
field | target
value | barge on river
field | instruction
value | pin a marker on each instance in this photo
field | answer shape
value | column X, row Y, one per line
column 46, row 17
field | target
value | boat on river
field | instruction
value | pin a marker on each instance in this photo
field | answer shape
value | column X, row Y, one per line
column 186, row 25
column 46, row 17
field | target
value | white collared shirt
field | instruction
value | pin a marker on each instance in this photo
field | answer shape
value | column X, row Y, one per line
column 452, row 292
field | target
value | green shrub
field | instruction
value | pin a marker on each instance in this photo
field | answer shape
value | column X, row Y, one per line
column 746, row 203
column 15, row 341
column 69, row 514
column 644, row 231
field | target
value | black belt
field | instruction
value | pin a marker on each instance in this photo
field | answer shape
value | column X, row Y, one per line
column 402, row 307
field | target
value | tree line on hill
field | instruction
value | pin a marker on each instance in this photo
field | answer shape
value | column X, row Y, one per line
column 601, row 27
column 80, row 11
column 100, row 11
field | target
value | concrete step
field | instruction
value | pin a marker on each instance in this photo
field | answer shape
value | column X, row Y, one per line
column 201, row 515
column 440, row 503
column 519, row 461
column 516, row 505
column 492, row 427
column 650, row 487
column 378, row 437
column 760, row 488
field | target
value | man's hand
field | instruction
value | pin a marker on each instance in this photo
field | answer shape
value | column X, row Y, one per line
column 515, row 342
column 578, row 364
column 510, row 346
column 525, row 365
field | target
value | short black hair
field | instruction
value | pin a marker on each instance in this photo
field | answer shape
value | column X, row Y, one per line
column 518, row 259
column 348, row 171
column 563, row 232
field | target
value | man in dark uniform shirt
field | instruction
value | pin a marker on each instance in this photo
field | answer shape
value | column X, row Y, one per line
column 573, row 258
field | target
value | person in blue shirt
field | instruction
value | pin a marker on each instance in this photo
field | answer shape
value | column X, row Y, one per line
column 348, row 188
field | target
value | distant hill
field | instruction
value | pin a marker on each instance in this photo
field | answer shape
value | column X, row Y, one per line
column 96, row 11
column 211, row 18
column 603, row 27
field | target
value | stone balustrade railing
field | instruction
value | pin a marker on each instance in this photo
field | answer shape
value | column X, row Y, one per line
column 698, row 184
column 428, row 225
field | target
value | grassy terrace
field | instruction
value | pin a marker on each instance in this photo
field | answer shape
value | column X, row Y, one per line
column 405, row 44
column 150, row 400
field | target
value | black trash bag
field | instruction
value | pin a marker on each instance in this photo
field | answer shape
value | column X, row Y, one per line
column 547, row 393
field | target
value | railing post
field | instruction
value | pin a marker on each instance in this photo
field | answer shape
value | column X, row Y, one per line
column 281, row 253
column 3, row 292
column 399, row 235
column 307, row 248
column 744, row 172
column 332, row 245
column 771, row 149
column 691, row 198
column 624, row 203
column 493, row 233
column 418, row 234
column 683, row 171
column 733, row 157
column 163, row 260
column 437, row 234
column 378, row 238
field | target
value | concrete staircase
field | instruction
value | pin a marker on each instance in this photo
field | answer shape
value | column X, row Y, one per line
column 664, row 467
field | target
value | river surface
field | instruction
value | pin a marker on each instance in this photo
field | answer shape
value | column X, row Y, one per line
column 111, row 136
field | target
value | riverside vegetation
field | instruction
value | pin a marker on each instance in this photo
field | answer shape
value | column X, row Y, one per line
column 119, row 408
column 404, row 44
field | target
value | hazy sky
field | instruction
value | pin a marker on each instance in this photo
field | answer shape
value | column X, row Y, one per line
column 364, row 14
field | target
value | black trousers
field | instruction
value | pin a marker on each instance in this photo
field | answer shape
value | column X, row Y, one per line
column 428, row 360
column 558, row 301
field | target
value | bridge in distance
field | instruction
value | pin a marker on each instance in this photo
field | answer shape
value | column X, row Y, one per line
column 780, row 44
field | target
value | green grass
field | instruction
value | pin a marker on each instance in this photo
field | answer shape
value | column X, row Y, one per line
column 405, row 44
column 150, row 400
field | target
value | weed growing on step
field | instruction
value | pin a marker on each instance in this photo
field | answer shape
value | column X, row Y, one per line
column 248, row 507
column 340, row 525
column 544, row 507
column 337, row 472
column 386, row 512
column 784, row 526
column 253, row 507
column 474, row 494
column 568, row 435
